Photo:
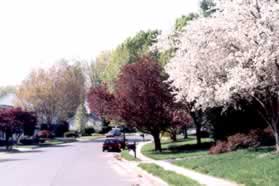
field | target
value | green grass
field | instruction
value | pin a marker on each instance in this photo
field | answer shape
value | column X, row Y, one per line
column 257, row 167
column 170, row 177
column 180, row 149
column 53, row 142
column 89, row 138
column 125, row 154
column 47, row 143
column 25, row 146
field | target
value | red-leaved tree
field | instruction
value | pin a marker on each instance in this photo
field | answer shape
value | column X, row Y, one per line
column 180, row 120
column 15, row 120
column 101, row 102
column 142, row 98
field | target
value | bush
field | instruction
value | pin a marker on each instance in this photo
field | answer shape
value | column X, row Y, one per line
column 61, row 128
column 45, row 134
column 71, row 134
column 254, row 138
column 88, row 131
column 27, row 140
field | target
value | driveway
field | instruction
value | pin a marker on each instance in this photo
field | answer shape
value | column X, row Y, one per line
column 75, row 164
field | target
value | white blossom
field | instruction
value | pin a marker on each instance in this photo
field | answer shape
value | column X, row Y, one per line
column 235, row 51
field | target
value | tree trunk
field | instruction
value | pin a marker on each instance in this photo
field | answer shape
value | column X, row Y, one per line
column 198, row 134
column 7, row 137
column 276, row 141
column 173, row 136
column 157, row 141
column 276, row 136
column 195, row 116
column 185, row 133
column 124, row 139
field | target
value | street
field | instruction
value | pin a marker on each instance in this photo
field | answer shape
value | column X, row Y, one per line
column 75, row 164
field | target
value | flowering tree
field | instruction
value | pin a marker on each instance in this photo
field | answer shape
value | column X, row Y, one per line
column 230, row 55
column 143, row 98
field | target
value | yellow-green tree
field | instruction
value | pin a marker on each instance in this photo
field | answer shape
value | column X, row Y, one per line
column 53, row 93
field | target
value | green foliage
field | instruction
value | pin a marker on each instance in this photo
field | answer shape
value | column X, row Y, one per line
column 164, row 57
column 81, row 119
column 139, row 45
column 95, row 69
column 6, row 90
column 118, row 58
column 207, row 7
column 126, row 53
column 88, row 131
column 182, row 21
column 249, row 167
column 172, row 178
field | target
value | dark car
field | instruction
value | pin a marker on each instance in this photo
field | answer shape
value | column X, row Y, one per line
column 29, row 140
column 114, row 133
column 112, row 145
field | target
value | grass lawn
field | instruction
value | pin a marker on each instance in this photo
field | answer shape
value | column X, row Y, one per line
column 250, row 167
column 180, row 149
column 170, row 177
column 25, row 146
column 125, row 154
column 47, row 143
column 89, row 138
column 53, row 142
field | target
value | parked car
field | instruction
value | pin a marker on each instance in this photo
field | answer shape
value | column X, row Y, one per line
column 112, row 145
column 45, row 134
column 71, row 134
column 4, row 143
column 30, row 140
column 113, row 133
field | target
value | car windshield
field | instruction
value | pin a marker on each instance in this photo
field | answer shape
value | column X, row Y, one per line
column 108, row 141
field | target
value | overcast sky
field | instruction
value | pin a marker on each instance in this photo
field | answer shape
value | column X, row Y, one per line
column 37, row 33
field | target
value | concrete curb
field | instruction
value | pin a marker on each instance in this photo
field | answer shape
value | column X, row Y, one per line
column 154, row 180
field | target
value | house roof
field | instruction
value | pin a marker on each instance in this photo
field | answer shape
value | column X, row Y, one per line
column 8, row 100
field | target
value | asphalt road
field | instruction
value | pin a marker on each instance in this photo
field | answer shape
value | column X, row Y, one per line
column 75, row 164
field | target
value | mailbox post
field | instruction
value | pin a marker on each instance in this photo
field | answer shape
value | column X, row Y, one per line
column 142, row 135
column 135, row 149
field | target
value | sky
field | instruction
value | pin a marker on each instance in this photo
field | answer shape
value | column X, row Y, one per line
column 38, row 33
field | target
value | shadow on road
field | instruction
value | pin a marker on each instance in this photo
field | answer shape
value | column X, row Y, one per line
column 15, row 151
column 101, row 140
column 53, row 145
column 9, row 160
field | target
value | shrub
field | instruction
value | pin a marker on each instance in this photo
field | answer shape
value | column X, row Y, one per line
column 61, row 128
column 254, row 138
column 88, row 131
column 71, row 134
column 45, row 134
column 27, row 140
column 220, row 147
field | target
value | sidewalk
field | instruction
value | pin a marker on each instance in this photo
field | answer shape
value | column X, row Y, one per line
column 143, row 178
column 201, row 178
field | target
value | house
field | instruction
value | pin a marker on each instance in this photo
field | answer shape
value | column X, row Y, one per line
column 92, row 120
column 7, row 102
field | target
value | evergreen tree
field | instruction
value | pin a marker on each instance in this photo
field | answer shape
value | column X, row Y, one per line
column 80, row 119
